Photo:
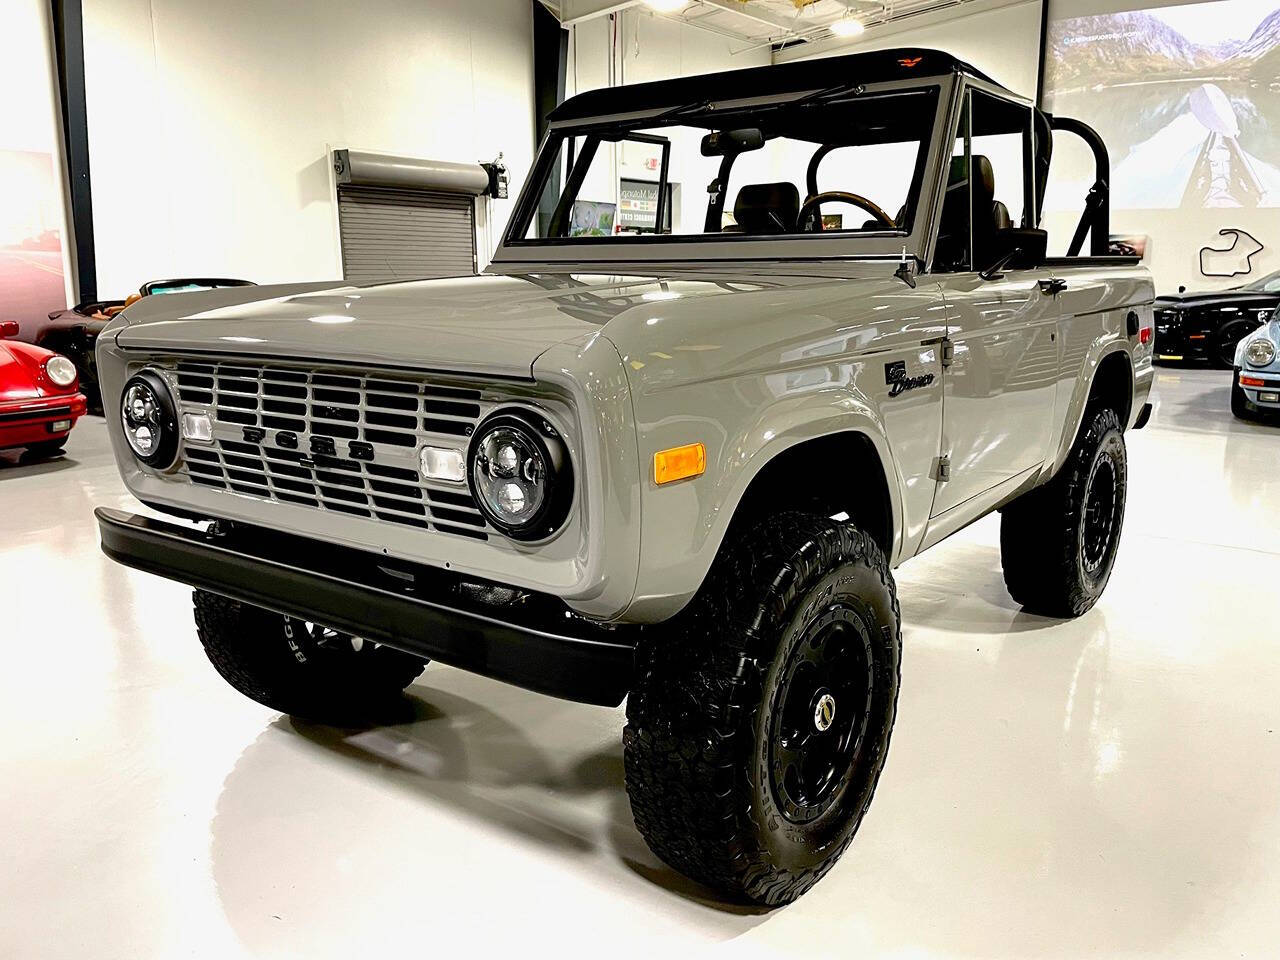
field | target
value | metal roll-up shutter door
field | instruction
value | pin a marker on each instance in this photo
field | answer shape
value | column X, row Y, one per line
column 390, row 234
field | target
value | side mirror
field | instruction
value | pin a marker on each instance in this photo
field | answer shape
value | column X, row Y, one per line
column 9, row 328
column 723, row 143
column 1017, row 248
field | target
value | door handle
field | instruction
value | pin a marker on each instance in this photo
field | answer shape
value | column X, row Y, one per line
column 1051, row 288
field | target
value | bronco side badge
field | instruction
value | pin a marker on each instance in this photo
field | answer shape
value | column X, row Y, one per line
column 895, row 374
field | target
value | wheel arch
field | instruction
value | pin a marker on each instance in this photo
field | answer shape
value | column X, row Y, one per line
column 759, row 477
column 1111, row 383
column 867, row 502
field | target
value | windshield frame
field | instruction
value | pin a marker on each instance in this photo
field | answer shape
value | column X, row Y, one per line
column 708, row 247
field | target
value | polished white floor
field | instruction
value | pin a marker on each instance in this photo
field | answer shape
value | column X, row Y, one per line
column 1107, row 787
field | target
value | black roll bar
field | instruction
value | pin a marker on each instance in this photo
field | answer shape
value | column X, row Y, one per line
column 1095, row 221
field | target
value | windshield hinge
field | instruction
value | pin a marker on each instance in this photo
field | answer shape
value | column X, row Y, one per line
column 906, row 271
column 944, row 468
column 948, row 351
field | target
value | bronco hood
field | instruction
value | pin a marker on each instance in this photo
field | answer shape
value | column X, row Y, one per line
column 495, row 325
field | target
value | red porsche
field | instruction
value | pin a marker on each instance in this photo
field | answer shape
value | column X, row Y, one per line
column 40, row 398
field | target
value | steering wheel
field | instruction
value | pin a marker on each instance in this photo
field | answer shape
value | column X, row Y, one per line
column 811, row 205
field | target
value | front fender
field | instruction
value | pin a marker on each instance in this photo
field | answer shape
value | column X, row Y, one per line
column 685, row 522
column 756, row 370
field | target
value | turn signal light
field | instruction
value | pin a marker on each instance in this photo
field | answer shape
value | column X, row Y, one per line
column 1247, row 381
column 679, row 463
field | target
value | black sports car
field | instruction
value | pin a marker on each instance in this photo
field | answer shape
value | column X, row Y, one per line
column 1207, row 326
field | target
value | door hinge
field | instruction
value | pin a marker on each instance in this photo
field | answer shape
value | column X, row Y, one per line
column 948, row 351
column 944, row 469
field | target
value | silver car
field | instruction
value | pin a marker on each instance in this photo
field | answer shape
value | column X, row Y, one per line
column 671, row 445
column 1255, row 387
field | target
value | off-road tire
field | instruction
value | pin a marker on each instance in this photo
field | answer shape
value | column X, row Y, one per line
column 1048, row 567
column 1241, row 407
column 290, row 666
column 698, row 743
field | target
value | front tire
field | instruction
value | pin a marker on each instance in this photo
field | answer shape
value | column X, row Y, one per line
column 1241, row 407
column 1058, row 543
column 300, row 668
column 758, row 728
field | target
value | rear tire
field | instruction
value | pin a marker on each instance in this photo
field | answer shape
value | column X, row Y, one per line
column 299, row 668
column 1058, row 543
column 758, row 727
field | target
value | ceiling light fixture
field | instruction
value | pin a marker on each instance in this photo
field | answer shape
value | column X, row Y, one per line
column 666, row 6
column 848, row 26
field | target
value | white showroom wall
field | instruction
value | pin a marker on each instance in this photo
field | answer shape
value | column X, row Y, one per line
column 210, row 125
column 649, row 47
column 999, row 37
column 635, row 46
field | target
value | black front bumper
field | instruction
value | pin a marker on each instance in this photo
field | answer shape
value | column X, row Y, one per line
column 426, row 612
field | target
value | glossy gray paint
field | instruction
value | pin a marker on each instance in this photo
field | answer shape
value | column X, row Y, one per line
column 638, row 349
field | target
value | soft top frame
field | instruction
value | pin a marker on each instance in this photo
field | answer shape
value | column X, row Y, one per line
column 878, row 66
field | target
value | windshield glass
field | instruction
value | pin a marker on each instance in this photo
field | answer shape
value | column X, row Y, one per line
column 851, row 166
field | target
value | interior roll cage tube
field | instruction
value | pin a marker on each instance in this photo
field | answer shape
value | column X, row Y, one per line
column 1095, row 221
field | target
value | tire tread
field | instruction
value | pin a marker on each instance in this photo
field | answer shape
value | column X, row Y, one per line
column 1038, row 542
column 692, row 712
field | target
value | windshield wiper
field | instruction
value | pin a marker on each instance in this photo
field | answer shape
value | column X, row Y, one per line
column 828, row 93
column 689, row 108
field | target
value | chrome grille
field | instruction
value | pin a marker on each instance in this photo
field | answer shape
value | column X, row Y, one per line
column 331, row 439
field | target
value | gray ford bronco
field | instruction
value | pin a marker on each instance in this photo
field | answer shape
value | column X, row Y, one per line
column 750, row 341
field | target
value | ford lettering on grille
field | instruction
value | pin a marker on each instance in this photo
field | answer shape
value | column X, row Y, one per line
column 331, row 439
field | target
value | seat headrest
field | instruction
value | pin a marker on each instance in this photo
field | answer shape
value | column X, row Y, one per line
column 1000, row 213
column 767, row 208
column 984, row 180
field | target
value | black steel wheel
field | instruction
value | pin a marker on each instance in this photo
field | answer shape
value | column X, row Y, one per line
column 1103, row 513
column 759, row 725
column 820, row 712
column 302, row 668
column 1058, row 543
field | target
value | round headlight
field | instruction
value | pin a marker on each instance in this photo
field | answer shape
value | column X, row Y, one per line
column 150, row 424
column 1260, row 352
column 521, row 475
column 60, row 370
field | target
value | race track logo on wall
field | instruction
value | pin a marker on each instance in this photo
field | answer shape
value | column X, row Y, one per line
column 1233, row 261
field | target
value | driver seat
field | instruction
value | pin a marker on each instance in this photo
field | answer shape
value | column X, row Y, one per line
column 766, row 208
column 989, row 215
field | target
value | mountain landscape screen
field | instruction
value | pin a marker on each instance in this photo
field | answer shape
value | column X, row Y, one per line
column 1186, row 96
